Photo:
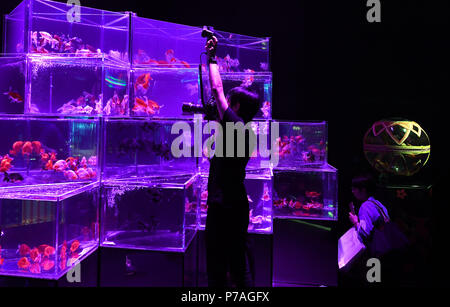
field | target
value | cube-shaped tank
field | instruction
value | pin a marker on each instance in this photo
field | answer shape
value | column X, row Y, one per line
column 302, row 143
column 258, row 184
column 42, row 27
column 264, row 154
column 44, row 150
column 259, row 83
column 172, row 45
column 150, row 213
column 305, row 193
column 242, row 53
column 12, row 84
column 47, row 229
column 161, row 92
column 140, row 147
column 77, row 86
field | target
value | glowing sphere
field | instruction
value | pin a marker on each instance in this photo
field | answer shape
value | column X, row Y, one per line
column 399, row 147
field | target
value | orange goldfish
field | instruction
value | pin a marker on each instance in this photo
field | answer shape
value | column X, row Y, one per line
column 72, row 163
column 53, row 156
column 49, row 165
column 47, row 264
column 5, row 166
column 185, row 64
column 44, row 156
column 14, row 96
column 145, row 106
column 36, row 146
column 17, row 147
column 82, row 173
column 2, row 260
column 23, row 263
column 74, row 246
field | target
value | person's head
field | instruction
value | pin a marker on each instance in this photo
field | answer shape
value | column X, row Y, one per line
column 363, row 186
column 243, row 102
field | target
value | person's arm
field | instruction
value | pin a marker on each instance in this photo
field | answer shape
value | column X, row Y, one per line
column 364, row 226
column 214, row 77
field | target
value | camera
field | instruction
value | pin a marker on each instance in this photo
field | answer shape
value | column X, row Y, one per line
column 209, row 109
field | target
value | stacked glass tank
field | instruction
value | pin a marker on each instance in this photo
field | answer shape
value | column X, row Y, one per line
column 43, row 150
column 302, row 144
column 142, row 147
column 306, row 193
column 258, row 184
column 150, row 213
column 12, row 83
column 45, row 27
column 45, row 229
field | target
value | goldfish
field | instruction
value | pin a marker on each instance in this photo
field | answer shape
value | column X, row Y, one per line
column 145, row 106
column 35, row 268
column 266, row 109
column 60, row 165
column 74, row 246
column 49, row 250
column 312, row 194
column 5, row 166
column 249, row 199
column 185, row 64
column 72, row 163
column 142, row 82
column 2, row 260
column 27, row 148
column 48, row 39
column 82, row 173
column 83, row 162
column 92, row 160
column 53, row 156
column 23, row 263
column 47, row 264
column 23, row 250
column 91, row 172
column 71, row 175
column 280, row 203
column 266, row 195
column 248, row 80
column 62, row 263
column 37, row 147
column 17, row 147
column 42, row 247
column 49, row 165
column 14, row 96
column 35, row 255
column 204, row 195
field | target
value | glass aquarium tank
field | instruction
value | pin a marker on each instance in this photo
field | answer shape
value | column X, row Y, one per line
column 302, row 144
column 142, row 147
column 77, row 86
column 305, row 193
column 161, row 92
column 12, row 84
column 45, row 229
column 150, row 213
column 259, row 83
column 173, row 45
column 44, row 150
column 43, row 27
column 263, row 155
column 258, row 184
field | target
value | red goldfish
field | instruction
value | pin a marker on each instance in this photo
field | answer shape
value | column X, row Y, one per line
column 49, row 165
column 17, row 147
column 37, row 146
column 185, row 64
column 42, row 247
column 35, row 255
column 145, row 105
column 14, row 96
column 24, row 250
column 49, row 250
column 47, row 264
column 27, row 148
column 82, row 173
column 23, row 263
column 5, row 166
column 74, row 246
column 312, row 194
column 35, row 268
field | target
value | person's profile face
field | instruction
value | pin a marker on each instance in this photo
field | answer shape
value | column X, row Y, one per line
column 358, row 193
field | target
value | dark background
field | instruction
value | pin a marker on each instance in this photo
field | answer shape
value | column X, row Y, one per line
column 329, row 63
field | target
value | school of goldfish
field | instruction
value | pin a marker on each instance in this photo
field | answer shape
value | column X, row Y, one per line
column 41, row 258
column 43, row 42
column 73, row 168
column 169, row 61
column 312, row 202
column 84, row 104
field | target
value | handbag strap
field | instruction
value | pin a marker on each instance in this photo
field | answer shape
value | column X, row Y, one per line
column 380, row 211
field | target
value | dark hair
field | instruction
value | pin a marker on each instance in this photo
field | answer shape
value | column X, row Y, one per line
column 249, row 103
column 365, row 181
